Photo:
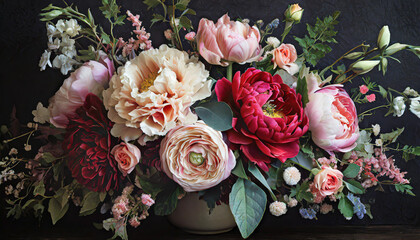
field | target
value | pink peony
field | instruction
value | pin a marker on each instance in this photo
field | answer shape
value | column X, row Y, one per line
column 196, row 157
column 371, row 97
column 91, row 77
column 328, row 181
column 147, row 200
column 228, row 41
column 332, row 117
column 284, row 57
column 363, row 89
column 127, row 155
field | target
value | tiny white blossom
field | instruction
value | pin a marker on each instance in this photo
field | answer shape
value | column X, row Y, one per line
column 45, row 60
column 51, row 31
column 41, row 114
column 72, row 28
column 415, row 106
column 64, row 63
column 54, row 45
column 399, row 106
column 376, row 129
column 378, row 142
column 411, row 92
column 61, row 26
column 273, row 41
column 67, row 47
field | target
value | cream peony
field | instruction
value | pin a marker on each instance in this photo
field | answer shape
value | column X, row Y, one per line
column 196, row 157
column 153, row 93
column 291, row 176
column 278, row 208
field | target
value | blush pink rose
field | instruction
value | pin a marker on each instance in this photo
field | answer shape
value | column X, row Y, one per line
column 332, row 117
column 127, row 155
column 371, row 97
column 196, row 157
column 284, row 57
column 328, row 181
column 228, row 41
column 363, row 89
column 147, row 200
column 91, row 77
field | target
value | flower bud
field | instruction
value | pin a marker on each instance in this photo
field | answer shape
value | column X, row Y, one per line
column 384, row 37
column 293, row 13
column 353, row 55
column 364, row 66
column 395, row 48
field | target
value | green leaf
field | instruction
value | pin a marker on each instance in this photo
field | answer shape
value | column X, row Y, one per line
column 39, row 189
column 211, row 196
column 167, row 200
column 303, row 161
column 56, row 210
column 382, row 91
column 247, row 202
column 258, row 175
column 185, row 22
column 392, row 136
column 217, row 115
column 239, row 170
column 302, row 89
column 354, row 186
column 346, row 207
column 89, row 204
column 352, row 170
column 151, row 3
column 29, row 203
column 151, row 182
column 301, row 192
column 102, row 196
column 404, row 188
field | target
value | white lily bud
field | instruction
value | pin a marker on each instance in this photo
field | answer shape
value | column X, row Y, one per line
column 384, row 37
column 364, row 66
column 395, row 48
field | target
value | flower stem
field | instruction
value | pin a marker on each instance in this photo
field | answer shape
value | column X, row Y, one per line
column 229, row 72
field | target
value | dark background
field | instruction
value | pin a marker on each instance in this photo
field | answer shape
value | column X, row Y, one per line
column 23, row 40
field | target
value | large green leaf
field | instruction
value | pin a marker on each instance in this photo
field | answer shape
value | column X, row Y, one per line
column 217, row 115
column 302, row 89
column 167, row 200
column 239, row 170
column 258, row 175
column 354, row 186
column 56, row 210
column 352, row 170
column 345, row 207
column 90, row 203
column 302, row 160
column 247, row 202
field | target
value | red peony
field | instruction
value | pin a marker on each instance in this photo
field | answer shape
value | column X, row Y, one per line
column 269, row 116
column 88, row 144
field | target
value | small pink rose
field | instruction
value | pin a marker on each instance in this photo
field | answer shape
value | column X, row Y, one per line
column 363, row 89
column 371, row 97
column 284, row 57
column 328, row 181
column 190, row 36
column 127, row 155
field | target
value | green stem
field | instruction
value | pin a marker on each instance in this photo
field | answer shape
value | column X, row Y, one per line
column 229, row 72
column 363, row 113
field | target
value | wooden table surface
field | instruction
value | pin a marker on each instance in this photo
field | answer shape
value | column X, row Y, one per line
column 393, row 232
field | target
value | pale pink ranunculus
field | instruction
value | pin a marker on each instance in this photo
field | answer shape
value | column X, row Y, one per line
column 91, row 77
column 196, row 157
column 228, row 41
column 127, row 155
column 147, row 200
column 332, row 117
column 284, row 57
column 328, row 181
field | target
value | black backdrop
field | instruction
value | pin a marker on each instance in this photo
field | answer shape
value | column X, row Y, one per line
column 23, row 40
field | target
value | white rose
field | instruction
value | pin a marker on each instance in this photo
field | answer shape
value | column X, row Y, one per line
column 278, row 208
column 415, row 106
column 291, row 176
column 399, row 106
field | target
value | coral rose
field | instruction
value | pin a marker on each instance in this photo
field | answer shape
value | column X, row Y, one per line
column 88, row 144
column 127, row 155
column 91, row 77
column 196, row 157
column 284, row 57
column 153, row 92
column 328, row 181
column 269, row 116
column 228, row 41
column 332, row 117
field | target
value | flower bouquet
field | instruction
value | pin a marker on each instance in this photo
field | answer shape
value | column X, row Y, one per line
column 135, row 127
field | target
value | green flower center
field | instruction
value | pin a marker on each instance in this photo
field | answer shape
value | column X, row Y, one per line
column 196, row 159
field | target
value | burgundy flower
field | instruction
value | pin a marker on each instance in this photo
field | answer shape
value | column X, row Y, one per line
column 88, row 143
column 150, row 154
column 269, row 116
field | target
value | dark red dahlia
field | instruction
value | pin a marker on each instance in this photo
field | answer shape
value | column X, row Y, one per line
column 269, row 116
column 88, row 144
column 150, row 154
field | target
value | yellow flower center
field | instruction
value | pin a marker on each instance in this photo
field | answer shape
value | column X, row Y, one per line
column 148, row 81
column 269, row 110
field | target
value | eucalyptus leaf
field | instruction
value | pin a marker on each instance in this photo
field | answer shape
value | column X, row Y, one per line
column 217, row 115
column 303, row 161
column 258, row 175
column 247, row 202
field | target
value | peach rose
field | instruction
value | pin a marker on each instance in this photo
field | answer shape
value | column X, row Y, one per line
column 196, row 157
column 228, row 41
column 127, row 155
column 328, row 181
column 91, row 77
column 284, row 57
